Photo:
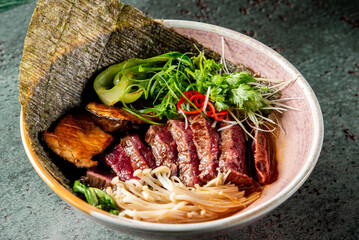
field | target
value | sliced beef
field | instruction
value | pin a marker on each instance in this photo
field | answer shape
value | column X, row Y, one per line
column 233, row 155
column 77, row 139
column 264, row 158
column 163, row 147
column 187, row 155
column 140, row 155
column 120, row 163
column 99, row 177
column 111, row 118
column 206, row 140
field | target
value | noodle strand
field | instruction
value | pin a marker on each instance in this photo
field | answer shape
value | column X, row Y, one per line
column 157, row 197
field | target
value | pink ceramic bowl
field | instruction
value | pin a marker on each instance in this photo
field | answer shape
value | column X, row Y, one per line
column 297, row 150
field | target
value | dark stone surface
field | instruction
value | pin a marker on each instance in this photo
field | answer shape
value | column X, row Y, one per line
column 320, row 38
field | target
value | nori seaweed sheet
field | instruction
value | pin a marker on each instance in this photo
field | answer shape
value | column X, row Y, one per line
column 67, row 44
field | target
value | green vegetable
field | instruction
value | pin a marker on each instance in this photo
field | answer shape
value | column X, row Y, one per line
column 112, row 84
column 160, row 82
column 97, row 197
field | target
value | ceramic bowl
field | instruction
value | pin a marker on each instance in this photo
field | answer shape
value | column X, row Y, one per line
column 297, row 149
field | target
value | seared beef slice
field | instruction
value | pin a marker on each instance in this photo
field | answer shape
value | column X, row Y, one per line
column 140, row 155
column 264, row 160
column 187, row 155
column 77, row 139
column 233, row 155
column 206, row 141
column 163, row 146
column 98, row 177
column 120, row 163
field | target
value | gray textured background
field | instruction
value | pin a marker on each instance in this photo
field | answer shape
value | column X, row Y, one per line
column 320, row 38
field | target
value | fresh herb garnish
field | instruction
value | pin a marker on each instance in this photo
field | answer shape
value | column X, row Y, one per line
column 160, row 82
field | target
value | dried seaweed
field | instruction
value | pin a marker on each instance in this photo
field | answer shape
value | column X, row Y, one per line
column 70, row 41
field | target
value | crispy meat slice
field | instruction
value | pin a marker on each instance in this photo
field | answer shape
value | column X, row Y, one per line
column 188, row 161
column 77, row 139
column 233, row 155
column 206, row 140
column 111, row 118
column 140, row 155
column 163, row 147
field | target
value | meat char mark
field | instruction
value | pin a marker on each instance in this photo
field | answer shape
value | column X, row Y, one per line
column 140, row 155
column 206, row 140
column 233, row 155
column 163, row 147
column 119, row 162
column 77, row 139
column 111, row 118
column 264, row 159
column 99, row 177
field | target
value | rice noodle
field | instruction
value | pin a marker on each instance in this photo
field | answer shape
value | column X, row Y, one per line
column 157, row 197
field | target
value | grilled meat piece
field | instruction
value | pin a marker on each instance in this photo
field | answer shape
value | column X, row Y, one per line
column 206, row 140
column 111, row 118
column 120, row 163
column 264, row 160
column 99, row 177
column 188, row 161
column 77, row 139
column 140, row 155
column 233, row 155
column 163, row 147
column 70, row 41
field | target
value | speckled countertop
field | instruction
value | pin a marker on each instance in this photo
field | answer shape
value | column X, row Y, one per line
column 320, row 38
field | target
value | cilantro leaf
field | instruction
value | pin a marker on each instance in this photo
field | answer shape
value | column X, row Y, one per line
column 241, row 94
column 235, row 79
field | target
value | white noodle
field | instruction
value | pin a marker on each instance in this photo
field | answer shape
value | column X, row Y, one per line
column 157, row 197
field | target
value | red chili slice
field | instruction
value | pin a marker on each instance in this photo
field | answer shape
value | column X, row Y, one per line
column 183, row 100
column 198, row 100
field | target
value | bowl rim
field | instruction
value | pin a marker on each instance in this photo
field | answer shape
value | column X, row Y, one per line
column 219, row 224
